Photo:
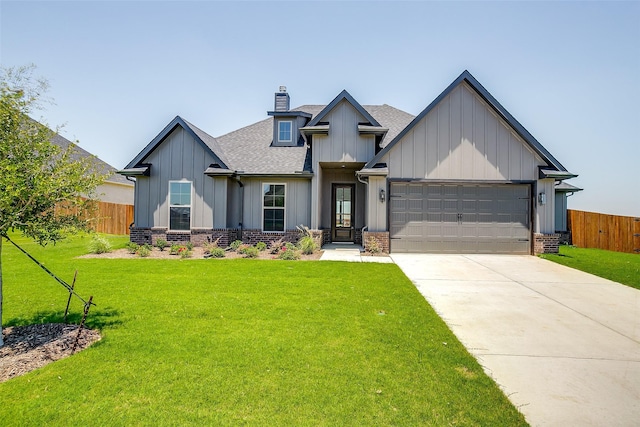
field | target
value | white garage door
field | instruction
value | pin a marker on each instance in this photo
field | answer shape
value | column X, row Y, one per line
column 460, row 218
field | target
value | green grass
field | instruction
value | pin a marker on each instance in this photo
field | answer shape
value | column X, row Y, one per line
column 617, row 266
column 242, row 342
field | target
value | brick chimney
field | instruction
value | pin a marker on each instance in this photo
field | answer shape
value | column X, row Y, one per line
column 282, row 100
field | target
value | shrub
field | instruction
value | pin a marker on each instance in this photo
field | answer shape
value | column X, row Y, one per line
column 174, row 249
column 275, row 246
column 161, row 244
column 144, row 251
column 307, row 245
column 261, row 246
column 217, row 252
column 236, row 244
column 189, row 246
column 99, row 245
column 184, row 252
column 208, row 247
column 250, row 252
column 373, row 245
column 290, row 246
column 132, row 247
column 288, row 254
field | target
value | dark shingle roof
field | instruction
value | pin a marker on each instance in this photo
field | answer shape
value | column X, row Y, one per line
column 249, row 149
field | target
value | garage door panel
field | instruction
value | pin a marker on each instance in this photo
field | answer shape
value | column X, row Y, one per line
column 460, row 218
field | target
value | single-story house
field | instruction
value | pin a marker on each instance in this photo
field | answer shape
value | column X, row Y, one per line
column 463, row 176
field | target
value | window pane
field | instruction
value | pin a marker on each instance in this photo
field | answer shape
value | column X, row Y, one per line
column 279, row 190
column 284, row 131
column 278, row 201
column 180, row 193
column 268, row 201
column 179, row 218
column 273, row 220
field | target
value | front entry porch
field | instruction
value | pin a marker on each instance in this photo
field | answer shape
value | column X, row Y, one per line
column 341, row 202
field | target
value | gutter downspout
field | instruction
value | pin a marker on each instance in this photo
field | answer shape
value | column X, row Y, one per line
column 239, row 181
column 134, row 187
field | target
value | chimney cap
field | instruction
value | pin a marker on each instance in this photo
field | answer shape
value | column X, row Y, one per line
column 283, row 89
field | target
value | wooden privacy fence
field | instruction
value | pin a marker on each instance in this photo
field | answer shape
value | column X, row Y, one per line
column 602, row 231
column 112, row 218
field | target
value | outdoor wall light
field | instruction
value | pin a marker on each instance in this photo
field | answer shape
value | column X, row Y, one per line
column 542, row 199
column 382, row 195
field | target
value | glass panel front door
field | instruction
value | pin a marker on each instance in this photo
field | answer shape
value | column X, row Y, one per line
column 342, row 227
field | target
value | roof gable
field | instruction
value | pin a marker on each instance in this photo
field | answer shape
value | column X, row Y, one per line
column 493, row 103
column 207, row 141
column 344, row 95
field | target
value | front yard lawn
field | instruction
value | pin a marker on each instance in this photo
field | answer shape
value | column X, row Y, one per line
column 242, row 342
column 617, row 266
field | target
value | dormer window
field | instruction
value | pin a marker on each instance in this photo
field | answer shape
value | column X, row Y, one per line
column 284, row 131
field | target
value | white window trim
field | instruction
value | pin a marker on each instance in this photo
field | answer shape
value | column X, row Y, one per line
column 180, row 206
column 263, row 207
column 290, row 131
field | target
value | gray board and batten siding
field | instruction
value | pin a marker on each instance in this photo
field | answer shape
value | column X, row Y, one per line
column 297, row 202
column 181, row 158
column 462, row 138
column 343, row 143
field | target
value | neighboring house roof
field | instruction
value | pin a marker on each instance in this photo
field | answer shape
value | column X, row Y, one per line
column 101, row 166
column 495, row 105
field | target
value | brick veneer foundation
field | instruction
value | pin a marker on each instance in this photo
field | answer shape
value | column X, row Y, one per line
column 381, row 236
column 545, row 243
column 199, row 237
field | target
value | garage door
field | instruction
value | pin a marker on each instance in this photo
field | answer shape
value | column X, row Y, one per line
column 460, row 218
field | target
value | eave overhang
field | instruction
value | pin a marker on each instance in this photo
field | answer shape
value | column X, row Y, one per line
column 289, row 114
column 217, row 171
column 295, row 175
column 372, row 130
column 315, row 130
column 140, row 170
column 373, row 172
column 379, row 169
column 545, row 173
column 563, row 187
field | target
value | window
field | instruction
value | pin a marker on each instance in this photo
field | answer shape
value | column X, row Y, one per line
column 284, row 131
column 179, row 205
column 273, row 207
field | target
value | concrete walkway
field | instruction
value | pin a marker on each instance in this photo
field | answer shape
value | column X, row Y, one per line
column 350, row 253
column 563, row 345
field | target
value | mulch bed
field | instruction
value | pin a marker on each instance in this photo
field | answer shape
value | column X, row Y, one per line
column 27, row 348
column 198, row 253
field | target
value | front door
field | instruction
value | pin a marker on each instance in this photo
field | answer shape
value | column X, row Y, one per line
column 342, row 227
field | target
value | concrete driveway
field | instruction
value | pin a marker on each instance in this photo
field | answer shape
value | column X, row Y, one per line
column 562, row 344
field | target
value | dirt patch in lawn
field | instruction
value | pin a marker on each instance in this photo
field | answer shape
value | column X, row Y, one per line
column 197, row 253
column 27, row 348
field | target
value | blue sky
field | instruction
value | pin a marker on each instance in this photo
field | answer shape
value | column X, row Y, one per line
column 120, row 71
